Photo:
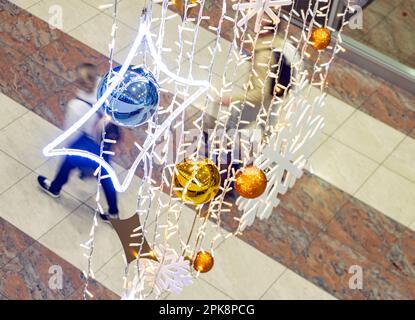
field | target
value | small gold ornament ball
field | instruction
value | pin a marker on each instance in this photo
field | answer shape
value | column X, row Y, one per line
column 203, row 262
column 250, row 182
column 204, row 180
column 320, row 38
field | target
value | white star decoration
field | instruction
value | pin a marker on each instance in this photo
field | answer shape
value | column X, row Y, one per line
column 259, row 8
column 286, row 153
column 143, row 35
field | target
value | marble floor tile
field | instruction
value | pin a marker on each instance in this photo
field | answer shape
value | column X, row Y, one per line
column 23, row 33
column 393, row 106
column 11, row 171
column 98, row 291
column 341, row 166
column 402, row 159
column 96, row 33
column 391, row 194
column 369, row 136
column 27, row 276
column 246, row 275
column 111, row 274
column 376, row 236
column 35, row 83
column 384, row 37
column 291, row 286
column 350, row 83
column 74, row 12
column 327, row 262
column 11, row 111
column 12, row 242
column 25, row 138
column 64, row 55
column 65, row 239
column 313, row 200
column 32, row 211
column 25, row 3
column 200, row 290
column 335, row 113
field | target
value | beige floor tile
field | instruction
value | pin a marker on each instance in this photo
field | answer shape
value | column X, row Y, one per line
column 341, row 166
column 96, row 33
column 335, row 111
column 11, row 171
column 129, row 12
column 25, row 138
column 11, row 110
column 402, row 160
column 412, row 226
column 369, row 136
column 24, row 3
column 74, row 12
column 112, row 273
column 104, row 3
column 241, row 271
column 32, row 211
column 65, row 238
column 391, row 194
column 293, row 287
column 200, row 290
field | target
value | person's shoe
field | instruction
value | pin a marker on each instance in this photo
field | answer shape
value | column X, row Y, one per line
column 44, row 185
column 106, row 217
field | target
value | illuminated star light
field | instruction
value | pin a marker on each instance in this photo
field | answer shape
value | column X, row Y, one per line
column 258, row 8
column 143, row 34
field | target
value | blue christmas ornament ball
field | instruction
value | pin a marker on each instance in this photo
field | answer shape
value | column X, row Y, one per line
column 136, row 98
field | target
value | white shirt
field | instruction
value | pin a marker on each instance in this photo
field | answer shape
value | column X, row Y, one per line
column 76, row 108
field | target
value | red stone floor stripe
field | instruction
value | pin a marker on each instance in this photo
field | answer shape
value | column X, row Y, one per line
column 24, row 271
column 318, row 231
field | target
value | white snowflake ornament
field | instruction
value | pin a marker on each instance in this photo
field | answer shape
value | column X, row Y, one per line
column 171, row 273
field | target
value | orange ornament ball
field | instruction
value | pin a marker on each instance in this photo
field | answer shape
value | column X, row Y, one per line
column 320, row 38
column 203, row 262
column 250, row 182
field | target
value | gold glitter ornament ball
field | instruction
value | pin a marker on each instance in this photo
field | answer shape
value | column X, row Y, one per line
column 250, row 182
column 320, row 38
column 197, row 181
column 203, row 262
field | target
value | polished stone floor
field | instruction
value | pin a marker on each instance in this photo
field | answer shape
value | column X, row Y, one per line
column 354, row 206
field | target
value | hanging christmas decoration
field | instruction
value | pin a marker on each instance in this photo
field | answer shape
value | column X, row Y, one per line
column 290, row 123
column 285, row 153
column 196, row 181
column 203, row 262
column 250, row 182
column 320, row 38
column 130, row 233
column 259, row 8
column 136, row 98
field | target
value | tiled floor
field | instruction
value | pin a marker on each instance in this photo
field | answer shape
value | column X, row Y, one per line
column 302, row 252
column 388, row 28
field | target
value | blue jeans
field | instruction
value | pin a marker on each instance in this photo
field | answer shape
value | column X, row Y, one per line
column 75, row 162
